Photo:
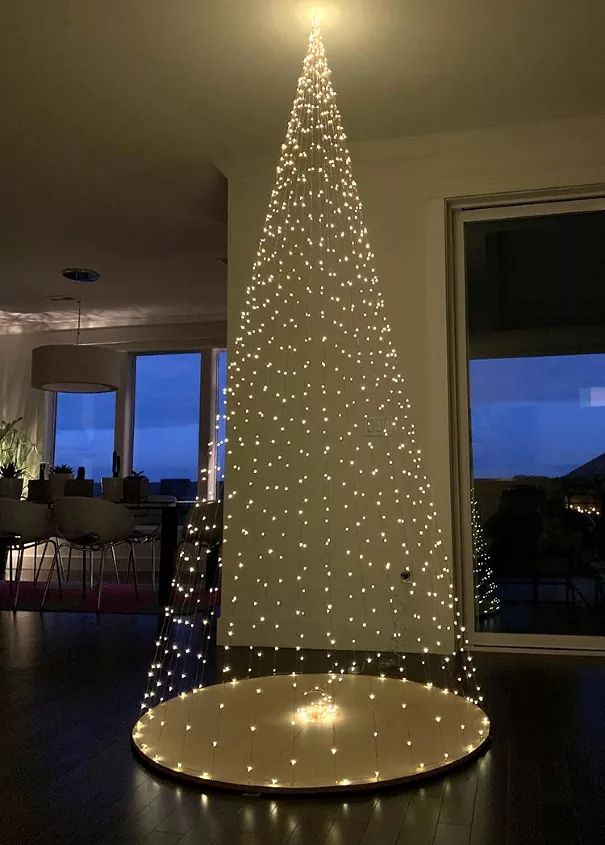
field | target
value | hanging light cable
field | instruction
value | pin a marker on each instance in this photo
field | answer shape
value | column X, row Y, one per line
column 76, row 367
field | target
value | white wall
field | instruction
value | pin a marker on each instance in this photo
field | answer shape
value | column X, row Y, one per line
column 404, row 185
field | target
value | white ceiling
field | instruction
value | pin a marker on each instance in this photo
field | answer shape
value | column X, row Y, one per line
column 113, row 110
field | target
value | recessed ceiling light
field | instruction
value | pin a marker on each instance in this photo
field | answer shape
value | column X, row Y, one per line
column 81, row 274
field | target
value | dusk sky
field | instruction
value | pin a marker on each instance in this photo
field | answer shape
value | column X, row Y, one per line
column 530, row 416
column 536, row 416
column 166, row 430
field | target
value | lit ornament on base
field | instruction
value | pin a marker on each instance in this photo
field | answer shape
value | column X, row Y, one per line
column 334, row 557
column 320, row 710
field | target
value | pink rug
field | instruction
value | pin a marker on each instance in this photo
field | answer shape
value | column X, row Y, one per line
column 115, row 598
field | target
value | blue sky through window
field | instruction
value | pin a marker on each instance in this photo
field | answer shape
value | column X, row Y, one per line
column 167, row 415
column 536, row 416
column 84, row 432
column 221, row 404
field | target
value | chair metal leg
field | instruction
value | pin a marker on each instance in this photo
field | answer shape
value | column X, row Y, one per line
column 38, row 569
column 59, row 564
column 83, row 573
column 100, row 586
column 132, row 560
column 54, row 562
column 57, row 547
column 69, row 563
column 115, row 563
column 18, row 577
column 10, row 571
column 92, row 569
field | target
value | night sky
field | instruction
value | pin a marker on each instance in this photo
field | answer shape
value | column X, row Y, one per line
column 536, row 416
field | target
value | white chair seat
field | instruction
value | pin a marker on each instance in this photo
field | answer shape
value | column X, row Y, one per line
column 22, row 525
column 96, row 525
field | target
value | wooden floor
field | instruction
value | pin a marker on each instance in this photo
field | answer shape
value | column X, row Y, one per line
column 70, row 688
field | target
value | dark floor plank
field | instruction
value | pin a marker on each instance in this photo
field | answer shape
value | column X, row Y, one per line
column 458, row 801
column 452, row 834
column 385, row 822
column 71, row 687
column 422, row 816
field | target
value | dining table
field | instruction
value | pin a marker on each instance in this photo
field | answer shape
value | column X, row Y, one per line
column 170, row 511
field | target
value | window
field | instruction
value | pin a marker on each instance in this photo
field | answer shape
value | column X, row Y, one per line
column 534, row 349
column 167, row 421
column 221, row 411
column 539, row 417
column 84, row 432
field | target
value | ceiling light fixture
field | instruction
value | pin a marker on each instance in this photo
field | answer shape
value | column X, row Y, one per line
column 75, row 367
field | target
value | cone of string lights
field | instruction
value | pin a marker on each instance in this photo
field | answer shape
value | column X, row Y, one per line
column 486, row 596
column 332, row 657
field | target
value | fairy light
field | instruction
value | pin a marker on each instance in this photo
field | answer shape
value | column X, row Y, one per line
column 319, row 710
column 330, row 530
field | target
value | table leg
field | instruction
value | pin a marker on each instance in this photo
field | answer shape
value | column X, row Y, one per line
column 168, row 544
column 3, row 557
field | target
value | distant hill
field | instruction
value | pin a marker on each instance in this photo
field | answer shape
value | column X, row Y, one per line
column 596, row 466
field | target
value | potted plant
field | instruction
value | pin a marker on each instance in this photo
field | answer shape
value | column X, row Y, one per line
column 59, row 475
column 80, row 485
column 136, row 487
column 38, row 490
column 16, row 448
column 11, row 480
column 112, row 488
column 112, row 484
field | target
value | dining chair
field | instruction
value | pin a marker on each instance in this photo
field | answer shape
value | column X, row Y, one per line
column 96, row 525
column 25, row 525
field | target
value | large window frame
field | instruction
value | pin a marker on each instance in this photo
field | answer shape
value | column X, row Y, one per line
column 459, row 213
column 124, row 418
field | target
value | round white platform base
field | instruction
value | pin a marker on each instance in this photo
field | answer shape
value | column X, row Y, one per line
column 256, row 735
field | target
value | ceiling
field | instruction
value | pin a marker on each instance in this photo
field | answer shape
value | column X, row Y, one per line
column 114, row 110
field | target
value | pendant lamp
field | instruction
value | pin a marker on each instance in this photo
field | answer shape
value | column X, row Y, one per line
column 75, row 367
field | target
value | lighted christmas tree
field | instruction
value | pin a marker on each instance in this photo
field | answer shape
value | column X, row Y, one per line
column 340, row 659
column 486, row 597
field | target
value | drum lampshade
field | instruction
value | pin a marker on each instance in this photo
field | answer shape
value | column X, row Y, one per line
column 74, row 368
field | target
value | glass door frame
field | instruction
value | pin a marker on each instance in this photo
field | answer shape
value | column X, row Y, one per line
column 460, row 212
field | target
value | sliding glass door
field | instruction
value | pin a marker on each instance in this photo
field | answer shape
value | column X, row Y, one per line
column 529, row 344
